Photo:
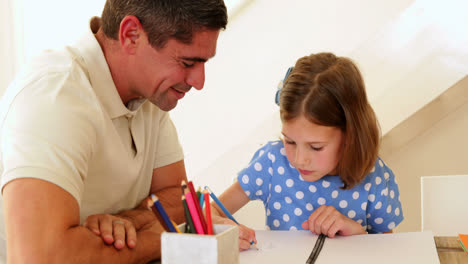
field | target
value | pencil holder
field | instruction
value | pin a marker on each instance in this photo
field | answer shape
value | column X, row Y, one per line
column 183, row 248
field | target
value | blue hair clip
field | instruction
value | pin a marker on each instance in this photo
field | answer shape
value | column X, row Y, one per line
column 280, row 85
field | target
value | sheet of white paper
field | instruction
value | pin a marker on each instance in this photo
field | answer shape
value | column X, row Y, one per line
column 296, row 246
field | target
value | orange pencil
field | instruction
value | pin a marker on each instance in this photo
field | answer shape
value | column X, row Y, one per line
column 209, row 225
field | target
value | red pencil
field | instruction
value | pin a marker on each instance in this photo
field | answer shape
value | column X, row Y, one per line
column 197, row 205
column 193, row 212
column 209, row 225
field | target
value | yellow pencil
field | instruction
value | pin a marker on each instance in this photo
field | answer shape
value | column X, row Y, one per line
column 176, row 228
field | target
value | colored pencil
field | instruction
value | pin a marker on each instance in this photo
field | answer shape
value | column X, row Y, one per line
column 189, row 222
column 163, row 213
column 209, row 222
column 175, row 226
column 202, row 201
column 197, row 205
column 221, row 205
column 193, row 212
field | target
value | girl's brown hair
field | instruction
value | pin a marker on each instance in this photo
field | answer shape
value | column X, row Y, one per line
column 329, row 91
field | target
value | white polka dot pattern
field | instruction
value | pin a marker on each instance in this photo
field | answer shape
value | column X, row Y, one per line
column 364, row 206
column 368, row 186
column 334, row 194
column 258, row 166
column 312, row 188
column 276, row 223
column 355, row 195
column 245, row 179
column 281, row 170
column 259, row 181
column 298, row 211
column 378, row 180
column 343, row 204
column 271, row 157
column 283, row 151
column 278, row 188
column 299, row 195
column 378, row 205
column 321, row 201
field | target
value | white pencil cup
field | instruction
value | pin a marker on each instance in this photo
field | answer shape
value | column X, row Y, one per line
column 183, row 248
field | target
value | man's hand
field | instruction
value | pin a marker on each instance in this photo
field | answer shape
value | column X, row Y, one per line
column 113, row 230
column 123, row 227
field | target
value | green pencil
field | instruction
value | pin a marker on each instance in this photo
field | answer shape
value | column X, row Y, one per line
column 189, row 227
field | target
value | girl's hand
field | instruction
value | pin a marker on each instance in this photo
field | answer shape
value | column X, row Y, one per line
column 113, row 229
column 246, row 235
column 329, row 221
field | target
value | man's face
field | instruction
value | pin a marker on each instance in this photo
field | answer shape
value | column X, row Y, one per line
column 164, row 76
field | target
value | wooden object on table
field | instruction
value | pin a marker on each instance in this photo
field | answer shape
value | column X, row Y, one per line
column 450, row 251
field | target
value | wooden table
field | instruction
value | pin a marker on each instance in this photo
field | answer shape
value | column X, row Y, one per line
column 450, row 251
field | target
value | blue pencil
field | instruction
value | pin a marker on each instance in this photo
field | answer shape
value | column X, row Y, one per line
column 163, row 213
column 202, row 200
column 221, row 205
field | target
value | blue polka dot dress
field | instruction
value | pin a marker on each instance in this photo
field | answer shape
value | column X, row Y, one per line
column 289, row 200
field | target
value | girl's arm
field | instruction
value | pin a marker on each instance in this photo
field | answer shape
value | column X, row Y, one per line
column 233, row 199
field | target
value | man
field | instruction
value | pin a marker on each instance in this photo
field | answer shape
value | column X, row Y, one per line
column 84, row 132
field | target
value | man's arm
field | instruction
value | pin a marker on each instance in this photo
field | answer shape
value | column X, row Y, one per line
column 42, row 224
column 166, row 185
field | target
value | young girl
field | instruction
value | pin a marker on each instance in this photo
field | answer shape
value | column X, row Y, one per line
column 324, row 175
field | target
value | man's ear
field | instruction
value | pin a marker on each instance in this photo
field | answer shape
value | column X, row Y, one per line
column 131, row 34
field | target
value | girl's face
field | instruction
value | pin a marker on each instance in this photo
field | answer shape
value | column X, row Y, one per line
column 312, row 149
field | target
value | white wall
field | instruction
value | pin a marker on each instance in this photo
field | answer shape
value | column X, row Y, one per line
column 432, row 142
column 10, row 43
column 29, row 27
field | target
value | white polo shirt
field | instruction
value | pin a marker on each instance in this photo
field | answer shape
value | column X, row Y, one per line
column 63, row 121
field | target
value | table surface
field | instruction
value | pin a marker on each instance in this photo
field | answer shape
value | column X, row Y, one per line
column 450, row 251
